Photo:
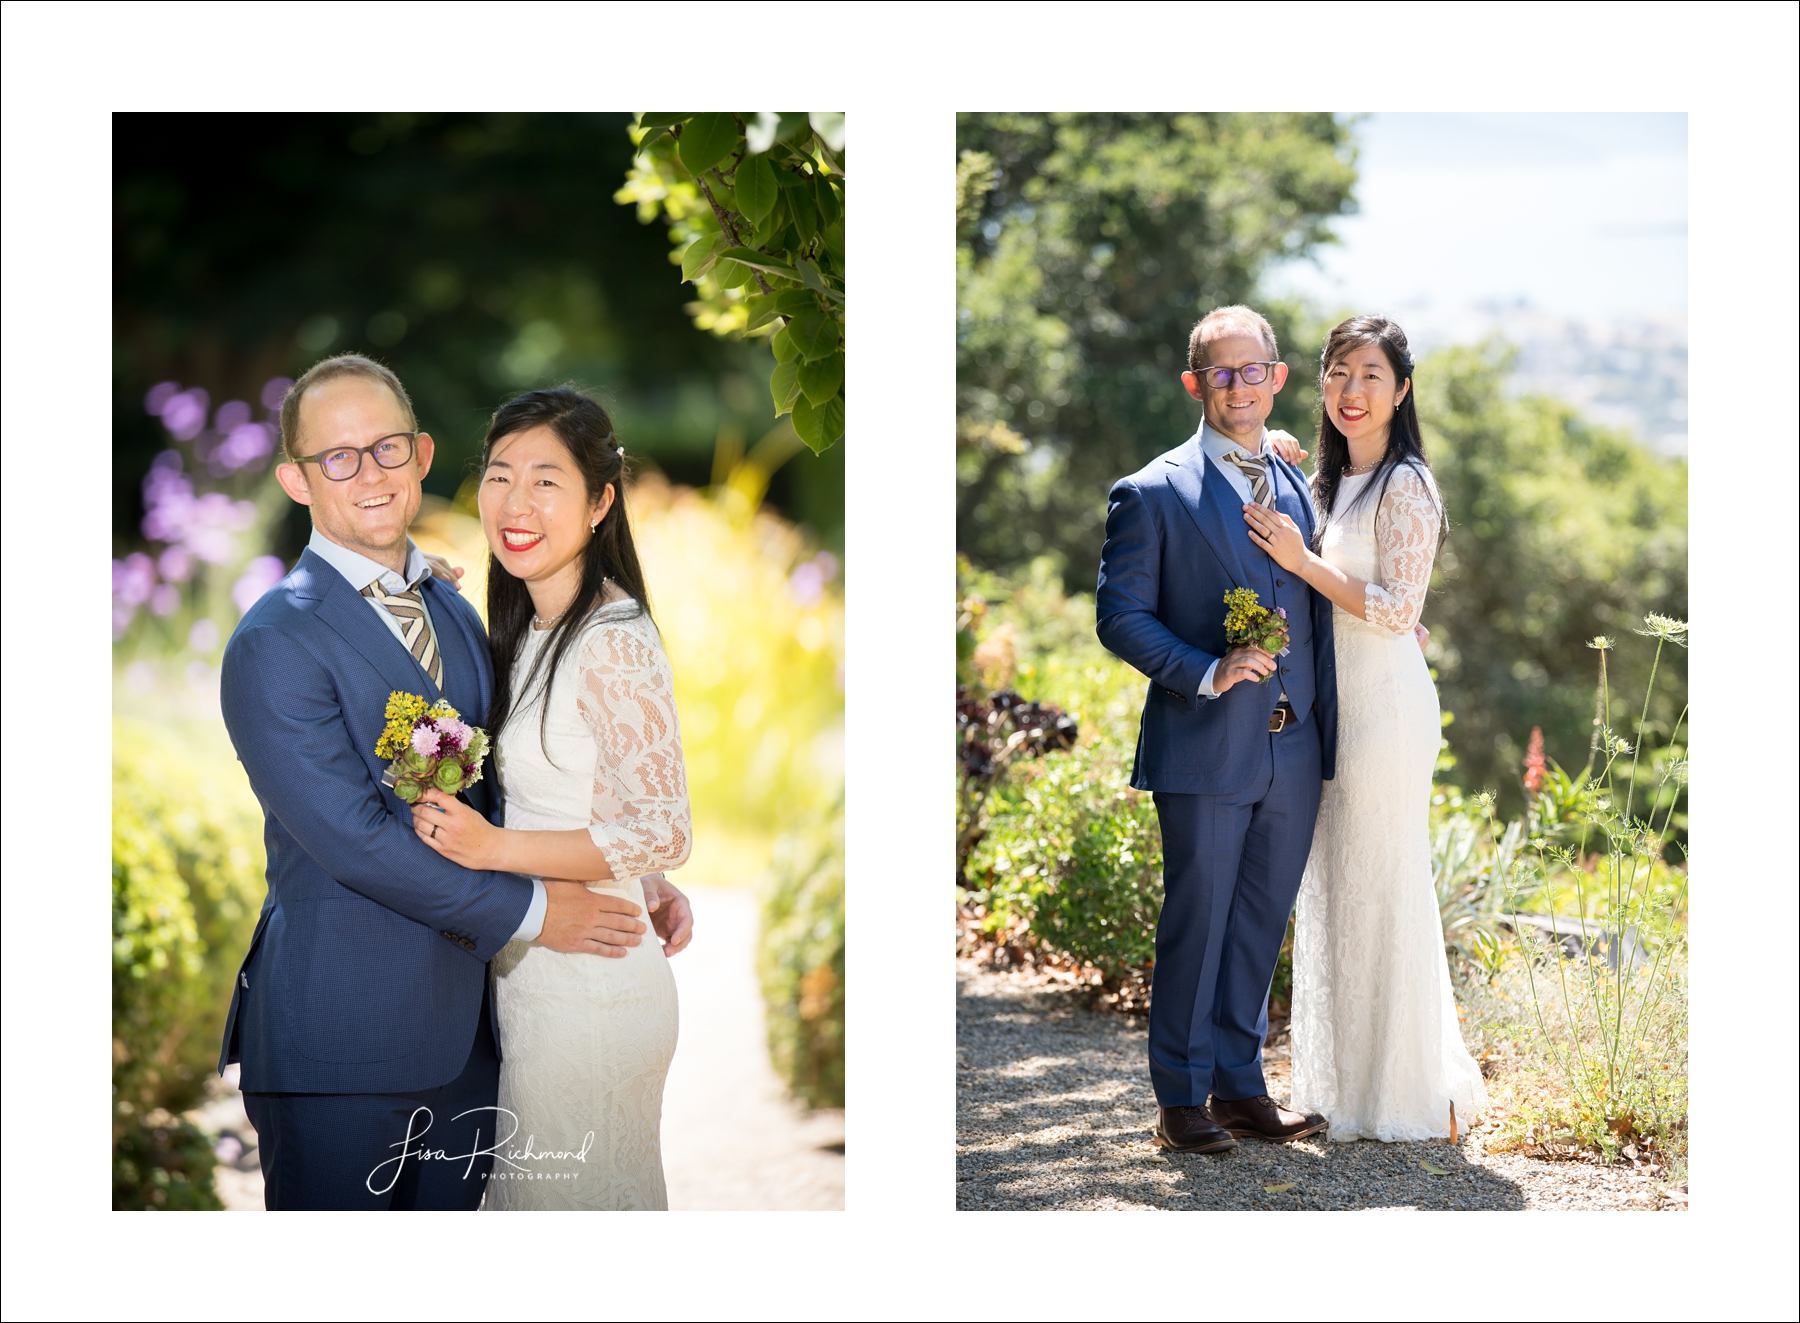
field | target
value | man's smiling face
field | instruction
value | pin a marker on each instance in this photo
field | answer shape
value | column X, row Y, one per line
column 370, row 512
column 1238, row 410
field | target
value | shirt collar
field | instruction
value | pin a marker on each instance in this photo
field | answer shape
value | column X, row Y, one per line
column 360, row 571
column 1215, row 444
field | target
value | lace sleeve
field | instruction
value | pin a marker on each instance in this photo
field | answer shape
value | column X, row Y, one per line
column 1406, row 531
column 640, row 818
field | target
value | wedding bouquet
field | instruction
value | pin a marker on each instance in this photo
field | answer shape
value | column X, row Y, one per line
column 431, row 747
column 1248, row 623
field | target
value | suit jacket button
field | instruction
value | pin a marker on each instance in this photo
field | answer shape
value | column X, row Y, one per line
column 1284, row 670
column 1279, row 582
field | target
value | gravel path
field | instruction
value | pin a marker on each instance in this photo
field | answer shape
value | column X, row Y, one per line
column 1054, row 1110
column 731, row 1136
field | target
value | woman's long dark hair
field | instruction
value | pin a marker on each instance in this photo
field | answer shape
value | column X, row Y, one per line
column 587, row 432
column 1405, row 443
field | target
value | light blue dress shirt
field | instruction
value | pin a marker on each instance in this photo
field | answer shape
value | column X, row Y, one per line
column 1214, row 445
column 360, row 572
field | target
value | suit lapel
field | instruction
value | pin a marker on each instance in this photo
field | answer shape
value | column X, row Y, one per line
column 1208, row 498
column 348, row 613
column 465, row 678
column 1296, row 494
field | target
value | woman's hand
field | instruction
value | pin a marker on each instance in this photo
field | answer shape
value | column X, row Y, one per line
column 1276, row 534
column 1284, row 445
column 443, row 569
column 670, row 914
column 456, row 831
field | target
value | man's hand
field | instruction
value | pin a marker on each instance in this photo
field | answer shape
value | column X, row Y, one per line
column 670, row 913
column 443, row 569
column 1422, row 634
column 583, row 922
column 1245, row 663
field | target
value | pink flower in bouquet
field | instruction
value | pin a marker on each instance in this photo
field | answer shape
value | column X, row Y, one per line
column 425, row 739
column 455, row 732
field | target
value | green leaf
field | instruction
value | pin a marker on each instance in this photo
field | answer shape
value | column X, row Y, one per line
column 782, row 303
column 830, row 205
column 762, row 262
column 785, row 350
column 664, row 117
column 815, row 333
column 756, row 188
column 784, row 386
column 1435, row 1171
column 821, row 380
column 732, row 275
column 706, row 140
column 697, row 258
column 806, row 211
column 820, row 426
column 813, row 279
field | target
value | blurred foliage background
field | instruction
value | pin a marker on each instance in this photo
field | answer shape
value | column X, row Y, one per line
column 478, row 255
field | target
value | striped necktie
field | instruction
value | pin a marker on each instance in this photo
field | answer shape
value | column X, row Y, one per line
column 1257, row 471
column 408, row 608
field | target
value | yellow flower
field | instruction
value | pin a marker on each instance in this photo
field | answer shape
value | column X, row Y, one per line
column 403, row 713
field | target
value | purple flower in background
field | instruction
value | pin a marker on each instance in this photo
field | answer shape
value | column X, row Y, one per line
column 232, row 413
column 808, row 582
column 248, row 444
column 184, row 413
column 275, row 390
column 134, row 578
column 165, row 600
column 176, row 565
column 158, row 395
column 259, row 576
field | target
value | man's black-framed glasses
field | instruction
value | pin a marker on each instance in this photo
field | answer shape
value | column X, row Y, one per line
column 1251, row 374
column 343, row 463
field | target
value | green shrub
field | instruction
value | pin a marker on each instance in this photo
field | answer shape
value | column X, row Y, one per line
column 187, row 883
column 801, row 961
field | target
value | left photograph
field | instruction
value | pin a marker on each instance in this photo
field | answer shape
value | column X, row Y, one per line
column 478, row 593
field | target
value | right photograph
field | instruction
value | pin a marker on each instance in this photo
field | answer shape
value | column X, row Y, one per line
column 1321, row 692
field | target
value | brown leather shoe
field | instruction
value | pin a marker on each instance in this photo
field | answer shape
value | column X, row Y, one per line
column 1190, row 1130
column 1262, row 1118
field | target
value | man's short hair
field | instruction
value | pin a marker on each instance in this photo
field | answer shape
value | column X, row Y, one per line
column 1221, row 322
column 330, row 369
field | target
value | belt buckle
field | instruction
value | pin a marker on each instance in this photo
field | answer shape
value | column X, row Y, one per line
column 1278, row 719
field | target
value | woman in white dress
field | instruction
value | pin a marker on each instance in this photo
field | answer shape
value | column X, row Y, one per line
column 588, row 752
column 1376, row 1045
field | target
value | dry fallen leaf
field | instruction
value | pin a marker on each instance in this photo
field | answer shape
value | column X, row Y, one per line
column 1278, row 1189
column 1435, row 1171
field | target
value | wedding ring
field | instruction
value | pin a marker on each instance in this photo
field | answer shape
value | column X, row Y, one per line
column 434, row 828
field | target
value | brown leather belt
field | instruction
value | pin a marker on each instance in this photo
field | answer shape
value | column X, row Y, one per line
column 1282, row 716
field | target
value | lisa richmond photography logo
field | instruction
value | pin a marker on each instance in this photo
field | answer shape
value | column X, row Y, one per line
column 413, row 1146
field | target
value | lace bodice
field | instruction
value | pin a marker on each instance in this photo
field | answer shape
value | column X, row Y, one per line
column 586, row 1040
column 1391, row 548
column 621, row 724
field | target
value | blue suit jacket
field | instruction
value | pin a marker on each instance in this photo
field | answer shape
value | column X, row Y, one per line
column 1176, row 543
column 369, row 961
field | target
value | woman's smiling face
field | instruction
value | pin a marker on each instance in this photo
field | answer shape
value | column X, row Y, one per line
column 1361, row 393
column 535, row 508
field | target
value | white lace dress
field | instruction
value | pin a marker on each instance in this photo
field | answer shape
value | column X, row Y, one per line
column 1376, row 1047
column 586, row 1040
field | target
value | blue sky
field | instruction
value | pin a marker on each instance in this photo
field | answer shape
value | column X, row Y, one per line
column 1583, row 216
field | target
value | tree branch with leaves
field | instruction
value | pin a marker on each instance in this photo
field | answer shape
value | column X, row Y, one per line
column 754, row 202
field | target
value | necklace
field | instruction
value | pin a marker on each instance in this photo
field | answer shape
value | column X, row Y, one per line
column 538, row 622
column 1361, row 469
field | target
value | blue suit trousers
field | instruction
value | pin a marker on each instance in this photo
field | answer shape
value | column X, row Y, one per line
column 384, row 1151
column 1232, row 865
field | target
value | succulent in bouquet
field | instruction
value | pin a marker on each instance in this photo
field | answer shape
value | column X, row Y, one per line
column 1248, row 623
column 431, row 747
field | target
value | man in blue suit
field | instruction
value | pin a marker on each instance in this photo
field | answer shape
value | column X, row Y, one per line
column 1234, row 743
column 361, row 1013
